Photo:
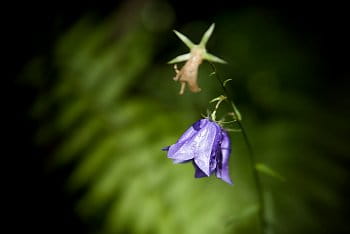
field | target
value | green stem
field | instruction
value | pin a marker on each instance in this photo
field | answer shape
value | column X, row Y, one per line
column 251, row 155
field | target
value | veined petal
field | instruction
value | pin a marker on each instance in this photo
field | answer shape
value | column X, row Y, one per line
column 222, row 171
column 202, row 145
column 192, row 130
column 183, row 150
column 216, row 149
column 177, row 161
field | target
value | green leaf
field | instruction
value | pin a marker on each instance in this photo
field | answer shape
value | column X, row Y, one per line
column 233, row 130
column 267, row 170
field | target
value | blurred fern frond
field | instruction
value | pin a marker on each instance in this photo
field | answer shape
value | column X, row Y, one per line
column 111, row 108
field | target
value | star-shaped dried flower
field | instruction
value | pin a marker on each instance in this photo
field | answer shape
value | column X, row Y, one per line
column 198, row 53
column 207, row 145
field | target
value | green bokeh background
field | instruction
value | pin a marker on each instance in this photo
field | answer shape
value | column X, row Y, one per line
column 105, row 104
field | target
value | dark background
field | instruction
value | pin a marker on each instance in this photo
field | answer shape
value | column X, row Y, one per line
column 37, row 199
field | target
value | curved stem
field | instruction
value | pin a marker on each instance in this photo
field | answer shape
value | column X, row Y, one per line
column 252, row 158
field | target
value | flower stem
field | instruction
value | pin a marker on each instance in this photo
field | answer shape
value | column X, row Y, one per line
column 252, row 157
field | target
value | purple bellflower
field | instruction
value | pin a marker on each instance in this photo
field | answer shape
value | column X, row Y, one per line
column 207, row 145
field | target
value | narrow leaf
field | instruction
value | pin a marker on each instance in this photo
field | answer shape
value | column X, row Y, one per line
column 265, row 169
column 233, row 130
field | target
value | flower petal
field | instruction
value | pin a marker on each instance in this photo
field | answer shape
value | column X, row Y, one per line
column 178, row 161
column 166, row 148
column 222, row 171
column 180, row 58
column 183, row 150
column 184, row 39
column 216, row 149
column 207, row 35
column 198, row 172
column 213, row 58
column 203, row 144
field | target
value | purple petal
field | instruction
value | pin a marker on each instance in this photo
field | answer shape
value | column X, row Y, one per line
column 166, row 148
column 192, row 130
column 223, row 170
column 178, row 161
column 198, row 172
column 184, row 149
column 203, row 144
column 216, row 150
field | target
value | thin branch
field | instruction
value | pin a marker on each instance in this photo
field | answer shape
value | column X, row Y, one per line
column 251, row 154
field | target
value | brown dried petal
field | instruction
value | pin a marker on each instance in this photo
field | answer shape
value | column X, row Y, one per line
column 189, row 72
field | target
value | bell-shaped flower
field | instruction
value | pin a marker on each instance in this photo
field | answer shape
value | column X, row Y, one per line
column 188, row 73
column 207, row 145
